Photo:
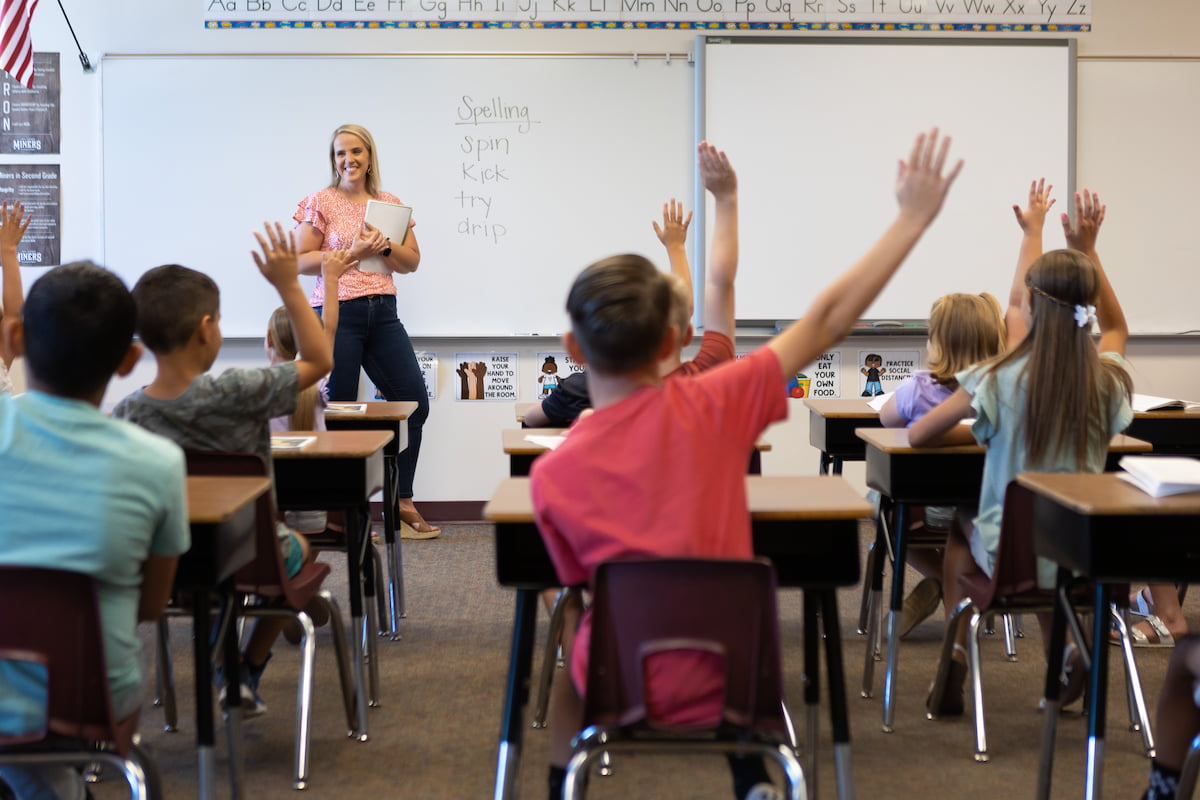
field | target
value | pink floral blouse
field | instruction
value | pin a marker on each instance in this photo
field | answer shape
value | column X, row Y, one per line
column 339, row 221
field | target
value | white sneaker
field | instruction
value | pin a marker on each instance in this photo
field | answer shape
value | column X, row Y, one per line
column 764, row 791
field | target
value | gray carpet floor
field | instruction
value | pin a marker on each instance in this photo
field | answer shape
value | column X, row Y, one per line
column 435, row 734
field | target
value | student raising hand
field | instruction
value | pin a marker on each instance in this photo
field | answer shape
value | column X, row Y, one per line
column 920, row 185
column 278, row 260
column 1032, row 219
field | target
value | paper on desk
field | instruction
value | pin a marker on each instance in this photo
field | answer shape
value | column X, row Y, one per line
column 1159, row 476
column 1148, row 402
column 291, row 442
column 878, row 400
column 548, row 442
column 345, row 408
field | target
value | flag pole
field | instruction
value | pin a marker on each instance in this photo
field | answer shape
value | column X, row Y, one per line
column 83, row 59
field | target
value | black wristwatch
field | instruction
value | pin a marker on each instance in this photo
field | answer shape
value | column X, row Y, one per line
column 385, row 252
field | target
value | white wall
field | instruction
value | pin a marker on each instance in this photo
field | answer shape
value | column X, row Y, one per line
column 461, row 459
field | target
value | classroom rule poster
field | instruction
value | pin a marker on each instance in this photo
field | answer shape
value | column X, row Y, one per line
column 552, row 366
column 30, row 119
column 486, row 376
column 822, row 378
column 880, row 371
column 428, row 362
column 38, row 187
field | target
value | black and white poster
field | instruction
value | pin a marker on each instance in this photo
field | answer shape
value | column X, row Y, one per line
column 38, row 187
column 30, row 119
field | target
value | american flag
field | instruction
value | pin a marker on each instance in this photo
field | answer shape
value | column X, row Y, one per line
column 16, row 46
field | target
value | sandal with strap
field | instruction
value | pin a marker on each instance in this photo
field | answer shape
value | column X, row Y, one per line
column 414, row 526
column 1157, row 636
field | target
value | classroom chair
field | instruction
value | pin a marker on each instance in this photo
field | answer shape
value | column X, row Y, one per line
column 1013, row 588
column 270, row 593
column 552, row 657
column 59, row 628
column 718, row 606
column 870, row 615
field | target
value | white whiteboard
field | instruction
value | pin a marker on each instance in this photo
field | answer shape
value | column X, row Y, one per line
column 815, row 127
column 1138, row 148
column 199, row 150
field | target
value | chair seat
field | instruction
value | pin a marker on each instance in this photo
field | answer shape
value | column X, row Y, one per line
column 300, row 589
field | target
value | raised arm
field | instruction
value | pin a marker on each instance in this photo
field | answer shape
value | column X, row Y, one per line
column 673, row 235
column 13, row 223
column 1032, row 219
column 279, row 265
column 1089, row 215
column 333, row 267
column 920, row 189
column 721, row 271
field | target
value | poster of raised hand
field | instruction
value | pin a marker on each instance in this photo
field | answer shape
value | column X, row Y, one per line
column 485, row 376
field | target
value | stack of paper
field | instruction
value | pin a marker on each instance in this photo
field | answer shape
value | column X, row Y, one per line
column 1159, row 476
column 291, row 442
column 1148, row 402
column 345, row 408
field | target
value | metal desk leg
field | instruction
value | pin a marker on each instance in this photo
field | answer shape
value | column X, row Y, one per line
column 1052, row 691
column 369, row 562
column 812, row 686
column 233, row 696
column 874, row 601
column 394, row 559
column 516, row 694
column 838, row 712
column 354, row 551
column 1097, row 694
column 893, row 625
column 205, row 736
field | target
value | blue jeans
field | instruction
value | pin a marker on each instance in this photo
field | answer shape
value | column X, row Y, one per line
column 371, row 337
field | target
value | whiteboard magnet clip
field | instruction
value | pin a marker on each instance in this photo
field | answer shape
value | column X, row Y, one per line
column 635, row 59
column 668, row 58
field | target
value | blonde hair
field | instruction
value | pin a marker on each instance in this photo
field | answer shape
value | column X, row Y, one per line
column 1070, row 390
column 372, row 163
column 283, row 338
column 964, row 329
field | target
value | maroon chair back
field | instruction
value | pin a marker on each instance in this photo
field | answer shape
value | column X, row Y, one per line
column 717, row 605
column 266, row 575
column 52, row 618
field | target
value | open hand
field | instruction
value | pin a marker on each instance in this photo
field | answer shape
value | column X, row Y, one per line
column 334, row 264
column 674, row 225
column 920, row 186
column 1089, row 215
column 715, row 171
column 277, row 262
column 13, row 223
column 1033, row 215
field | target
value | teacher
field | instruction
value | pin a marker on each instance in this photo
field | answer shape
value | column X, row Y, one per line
column 369, row 334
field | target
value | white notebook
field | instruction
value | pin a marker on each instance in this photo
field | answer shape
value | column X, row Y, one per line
column 1148, row 402
column 392, row 220
column 1159, row 476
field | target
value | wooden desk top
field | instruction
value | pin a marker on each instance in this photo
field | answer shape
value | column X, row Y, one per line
column 825, row 497
column 390, row 410
column 213, row 499
column 848, row 408
column 515, row 443
column 895, row 441
column 1106, row 495
column 336, row 444
column 1170, row 413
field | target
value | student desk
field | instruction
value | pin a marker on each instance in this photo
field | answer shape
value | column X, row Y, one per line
column 929, row 476
column 384, row 416
column 831, row 427
column 808, row 526
column 1174, row 432
column 521, row 452
column 1108, row 531
column 221, row 512
column 340, row 470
